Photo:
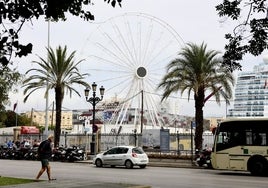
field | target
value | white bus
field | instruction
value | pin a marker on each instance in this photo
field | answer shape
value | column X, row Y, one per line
column 241, row 144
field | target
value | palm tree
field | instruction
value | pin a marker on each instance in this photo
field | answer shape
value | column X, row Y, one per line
column 199, row 71
column 58, row 72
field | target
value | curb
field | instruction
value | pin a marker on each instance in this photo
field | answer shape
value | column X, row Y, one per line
column 178, row 163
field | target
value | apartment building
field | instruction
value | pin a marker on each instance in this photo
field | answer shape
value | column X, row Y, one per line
column 251, row 93
column 40, row 118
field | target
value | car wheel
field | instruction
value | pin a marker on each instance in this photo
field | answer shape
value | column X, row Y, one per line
column 128, row 164
column 98, row 163
column 142, row 166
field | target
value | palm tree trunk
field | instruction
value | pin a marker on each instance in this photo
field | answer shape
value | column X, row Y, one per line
column 57, row 132
column 199, row 104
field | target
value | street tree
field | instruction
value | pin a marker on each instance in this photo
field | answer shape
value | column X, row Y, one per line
column 13, row 119
column 250, row 35
column 14, row 14
column 197, row 71
column 58, row 72
column 9, row 79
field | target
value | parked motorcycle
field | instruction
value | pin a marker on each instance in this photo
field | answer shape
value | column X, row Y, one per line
column 203, row 158
column 59, row 154
column 75, row 154
column 70, row 154
column 31, row 154
column 6, row 153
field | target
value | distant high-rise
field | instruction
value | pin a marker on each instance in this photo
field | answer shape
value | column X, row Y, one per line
column 251, row 93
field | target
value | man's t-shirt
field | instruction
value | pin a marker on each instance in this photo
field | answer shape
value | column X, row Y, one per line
column 45, row 150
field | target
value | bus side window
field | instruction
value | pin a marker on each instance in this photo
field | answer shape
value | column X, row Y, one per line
column 264, row 140
column 225, row 138
column 222, row 141
column 257, row 139
column 249, row 138
column 238, row 138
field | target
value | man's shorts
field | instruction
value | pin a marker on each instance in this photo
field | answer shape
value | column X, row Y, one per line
column 44, row 162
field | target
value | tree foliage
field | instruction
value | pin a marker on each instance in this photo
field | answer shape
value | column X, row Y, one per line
column 198, row 71
column 8, row 79
column 13, row 119
column 13, row 15
column 250, row 34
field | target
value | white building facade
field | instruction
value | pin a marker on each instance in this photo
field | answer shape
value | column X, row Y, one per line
column 251, row 93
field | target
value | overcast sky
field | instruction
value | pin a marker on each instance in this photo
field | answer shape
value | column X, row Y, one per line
column 192, row 20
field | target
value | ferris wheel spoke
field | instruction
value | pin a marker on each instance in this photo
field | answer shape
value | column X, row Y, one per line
column 152, row 113
column 117, row 60
column 117, row 72
column 133, row 89
column 151, row 85
column 125, row 45
column 125, row 106
column 170, row 29
column 147, row 44
column 158, row 54
column 156, row 77
column 113, row 78
column 153, row 51
column 122, row 83
column 117, row 49
column 167, row 58
column 131, row 40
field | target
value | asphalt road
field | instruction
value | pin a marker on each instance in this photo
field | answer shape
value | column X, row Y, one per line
column 69, row 174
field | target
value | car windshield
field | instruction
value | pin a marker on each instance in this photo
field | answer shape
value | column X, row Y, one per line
column 137, row 150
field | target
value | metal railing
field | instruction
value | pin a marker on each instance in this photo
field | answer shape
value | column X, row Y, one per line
column 179, row 144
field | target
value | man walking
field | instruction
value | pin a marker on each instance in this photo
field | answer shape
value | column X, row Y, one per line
column 45, row 153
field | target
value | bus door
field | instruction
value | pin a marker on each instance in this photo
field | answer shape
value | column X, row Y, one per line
column 229, row 151
column 237, row 150
column 237, row 158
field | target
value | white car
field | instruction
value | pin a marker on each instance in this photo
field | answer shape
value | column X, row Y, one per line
column 127, row 156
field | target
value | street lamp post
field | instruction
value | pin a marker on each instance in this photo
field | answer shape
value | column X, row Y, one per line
column 94, row 100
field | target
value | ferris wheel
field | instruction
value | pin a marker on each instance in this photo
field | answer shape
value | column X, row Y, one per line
column 128, row 55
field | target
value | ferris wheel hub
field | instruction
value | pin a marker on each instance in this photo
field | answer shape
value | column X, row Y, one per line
column 141, row 72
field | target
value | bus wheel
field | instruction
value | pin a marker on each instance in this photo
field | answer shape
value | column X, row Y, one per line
column 257, row 166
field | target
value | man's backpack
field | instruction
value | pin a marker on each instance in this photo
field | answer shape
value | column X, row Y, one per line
column 40, row 149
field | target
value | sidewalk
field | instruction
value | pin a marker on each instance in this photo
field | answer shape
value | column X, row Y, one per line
column 175, row 163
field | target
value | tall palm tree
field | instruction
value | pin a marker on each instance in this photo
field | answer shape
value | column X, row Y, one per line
column 58, row 72
column 199, row 71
